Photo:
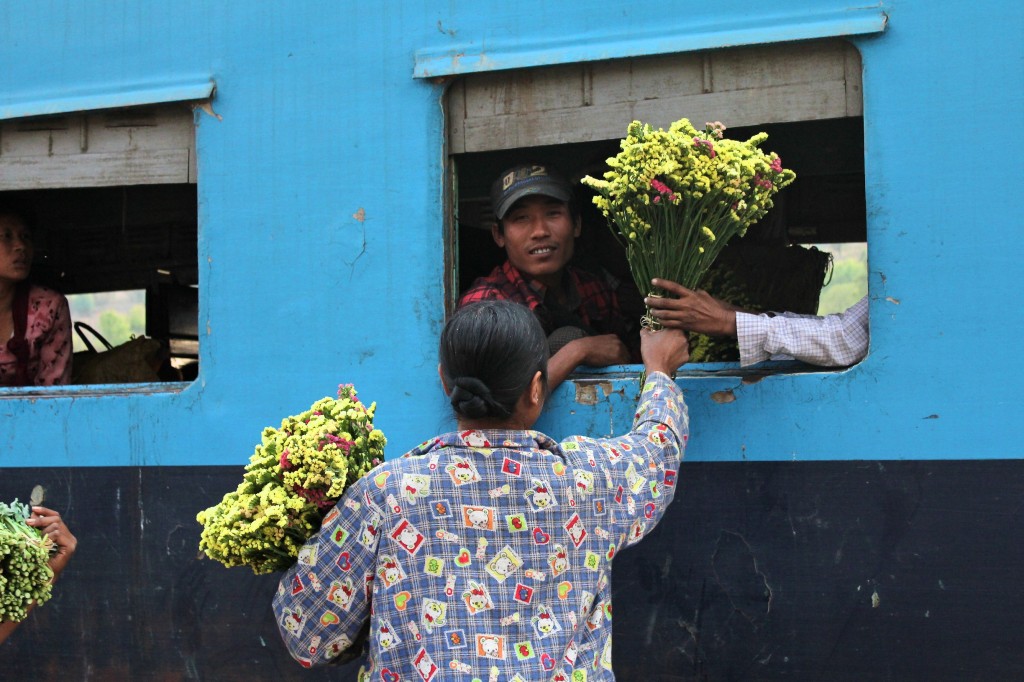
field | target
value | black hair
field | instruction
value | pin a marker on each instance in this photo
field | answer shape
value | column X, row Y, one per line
column 21, row 210
column 489, row 354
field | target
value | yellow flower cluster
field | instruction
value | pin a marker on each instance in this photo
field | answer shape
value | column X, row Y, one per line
column 675, row 198
column 296, row 474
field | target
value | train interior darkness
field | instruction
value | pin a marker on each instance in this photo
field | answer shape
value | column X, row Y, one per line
column 772, row 267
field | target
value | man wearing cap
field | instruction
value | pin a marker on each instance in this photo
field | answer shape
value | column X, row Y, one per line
column 537, row 225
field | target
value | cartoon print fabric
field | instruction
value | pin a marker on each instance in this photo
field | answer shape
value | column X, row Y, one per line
column 485, row 554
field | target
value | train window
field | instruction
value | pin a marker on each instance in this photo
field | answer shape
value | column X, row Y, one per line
column 112, row 195
column 806, row 96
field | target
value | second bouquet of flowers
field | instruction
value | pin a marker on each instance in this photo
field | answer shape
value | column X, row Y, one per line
column 294, row 477
column 675, row 198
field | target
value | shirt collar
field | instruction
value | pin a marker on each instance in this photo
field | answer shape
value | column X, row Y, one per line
column 538, row 291
column 488, row 439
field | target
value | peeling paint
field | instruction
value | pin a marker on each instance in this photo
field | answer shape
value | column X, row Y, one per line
column 207, row 108
column 892, row 299
column 360, row 215
column 723, row 397
column 587, row 393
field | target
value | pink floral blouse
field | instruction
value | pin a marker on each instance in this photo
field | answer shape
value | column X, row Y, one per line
column 48, row 334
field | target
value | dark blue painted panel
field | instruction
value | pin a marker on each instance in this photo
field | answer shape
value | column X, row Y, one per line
column 768, row 571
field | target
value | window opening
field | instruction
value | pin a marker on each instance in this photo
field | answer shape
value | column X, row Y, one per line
column 782, row 263
column 113, row 199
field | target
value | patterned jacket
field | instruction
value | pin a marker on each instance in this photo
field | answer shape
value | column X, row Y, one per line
column 485, row 554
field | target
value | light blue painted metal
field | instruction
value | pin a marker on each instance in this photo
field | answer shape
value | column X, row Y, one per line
column 109, row 97
column 321, row 244
column 676, row 35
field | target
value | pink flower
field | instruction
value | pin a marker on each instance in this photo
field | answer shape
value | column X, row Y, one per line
column 707, row 144
column 657, row 200
column 660, row 186
column 342, row 443
column 777, row 165
column 283, row 461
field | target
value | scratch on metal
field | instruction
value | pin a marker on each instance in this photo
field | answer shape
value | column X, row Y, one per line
column 360, row 217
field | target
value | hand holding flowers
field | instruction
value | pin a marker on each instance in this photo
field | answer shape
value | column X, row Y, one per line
column 675, row 198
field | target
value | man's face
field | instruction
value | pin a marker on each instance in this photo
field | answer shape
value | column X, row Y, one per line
column 539, row 236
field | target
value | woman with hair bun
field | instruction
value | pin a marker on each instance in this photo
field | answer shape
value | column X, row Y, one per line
column 488, row 551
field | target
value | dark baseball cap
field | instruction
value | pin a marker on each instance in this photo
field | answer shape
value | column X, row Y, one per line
column 524, row 180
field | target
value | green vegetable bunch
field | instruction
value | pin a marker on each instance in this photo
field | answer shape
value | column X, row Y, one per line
column 675, row 198
column 296, row 474
column 25, row 573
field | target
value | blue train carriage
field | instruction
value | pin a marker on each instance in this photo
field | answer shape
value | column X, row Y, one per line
column 297, row 194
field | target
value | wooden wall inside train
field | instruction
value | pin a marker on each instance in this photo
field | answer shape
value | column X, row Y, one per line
column 323, row 201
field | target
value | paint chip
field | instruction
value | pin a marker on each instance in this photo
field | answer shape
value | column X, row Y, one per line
column 360, row 215
column 207, row 107
column 586, row 394
column 723, row 397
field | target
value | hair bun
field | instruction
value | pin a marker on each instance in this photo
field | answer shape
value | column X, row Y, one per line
column 473, row 398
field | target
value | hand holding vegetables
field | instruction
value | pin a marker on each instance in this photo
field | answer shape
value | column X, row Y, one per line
column 35, row 546
column 49, row 523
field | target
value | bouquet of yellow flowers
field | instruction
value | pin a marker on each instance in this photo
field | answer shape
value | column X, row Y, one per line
column 296, row 474
column 675, row 198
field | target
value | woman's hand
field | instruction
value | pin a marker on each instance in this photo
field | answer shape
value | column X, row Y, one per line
column 664, row 351
column 53, row 527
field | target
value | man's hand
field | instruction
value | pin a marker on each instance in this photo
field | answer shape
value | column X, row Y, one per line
column 601, row 351
column 664, row 351
column 52, row 526
column 596, row 351
column 694, row 311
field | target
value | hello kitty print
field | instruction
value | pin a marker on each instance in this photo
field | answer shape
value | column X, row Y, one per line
column 485, row 554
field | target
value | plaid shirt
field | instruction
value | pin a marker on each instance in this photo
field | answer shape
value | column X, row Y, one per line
column 485, row 553
column 597, row 307
column 834, row 340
